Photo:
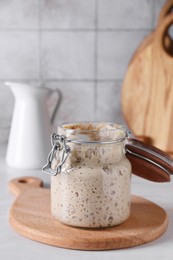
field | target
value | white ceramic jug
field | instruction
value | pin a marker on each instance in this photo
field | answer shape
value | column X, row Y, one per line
column 29, row 140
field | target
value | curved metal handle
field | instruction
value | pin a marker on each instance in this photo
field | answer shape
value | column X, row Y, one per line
column 148, row 161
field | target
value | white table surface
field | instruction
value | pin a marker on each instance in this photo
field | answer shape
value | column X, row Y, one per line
column 14, row 247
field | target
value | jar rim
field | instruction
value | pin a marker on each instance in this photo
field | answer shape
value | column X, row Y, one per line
column 93, row 132
column 89, row 125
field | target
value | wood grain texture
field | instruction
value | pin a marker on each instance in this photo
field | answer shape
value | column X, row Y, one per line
column 30, row 216
column 147, row 93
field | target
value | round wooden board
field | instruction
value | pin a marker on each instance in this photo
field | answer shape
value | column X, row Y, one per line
column 30, row 216
column 143, row 109
column 147, row 93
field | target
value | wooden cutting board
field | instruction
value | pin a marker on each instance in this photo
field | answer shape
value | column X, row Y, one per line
column 165, row 10
column 147, row 93
column 30, row 216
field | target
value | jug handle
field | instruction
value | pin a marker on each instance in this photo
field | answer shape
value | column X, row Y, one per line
column 58, row 103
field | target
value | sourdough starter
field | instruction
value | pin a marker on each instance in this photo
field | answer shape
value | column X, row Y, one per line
column 93, row 189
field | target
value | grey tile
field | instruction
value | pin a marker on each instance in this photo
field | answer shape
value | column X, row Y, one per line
column 19, row 55
column 77, row 101
column 68, row 14
column 158, row 4
column 133, row 14
column 114, row 52
column 109, row 102
column 67, row 55
column 19, row 14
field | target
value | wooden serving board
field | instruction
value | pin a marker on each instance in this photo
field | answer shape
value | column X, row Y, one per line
column 30, row 216
column 147, row 93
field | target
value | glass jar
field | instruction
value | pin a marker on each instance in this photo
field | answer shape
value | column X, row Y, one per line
column 91, row 176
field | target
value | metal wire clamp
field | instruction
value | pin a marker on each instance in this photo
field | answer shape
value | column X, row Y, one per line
column 58, row 144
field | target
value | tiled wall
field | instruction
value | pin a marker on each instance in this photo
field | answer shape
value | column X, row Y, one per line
column 81, row 47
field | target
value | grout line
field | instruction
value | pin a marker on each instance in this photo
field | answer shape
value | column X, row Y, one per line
column 97, row 29
column 39, row 41
column 64, row 80
column 76, row 30
column 96, row 60
column 153, row 14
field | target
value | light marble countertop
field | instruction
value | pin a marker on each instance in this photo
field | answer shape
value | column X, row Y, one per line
column 14, row 246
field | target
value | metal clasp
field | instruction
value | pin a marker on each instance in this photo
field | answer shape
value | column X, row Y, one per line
column 58, row 144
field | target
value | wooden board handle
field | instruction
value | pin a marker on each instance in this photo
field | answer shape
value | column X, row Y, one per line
column 21, row 184
column 149, row 162
column 166, row 9
column 163, row 42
